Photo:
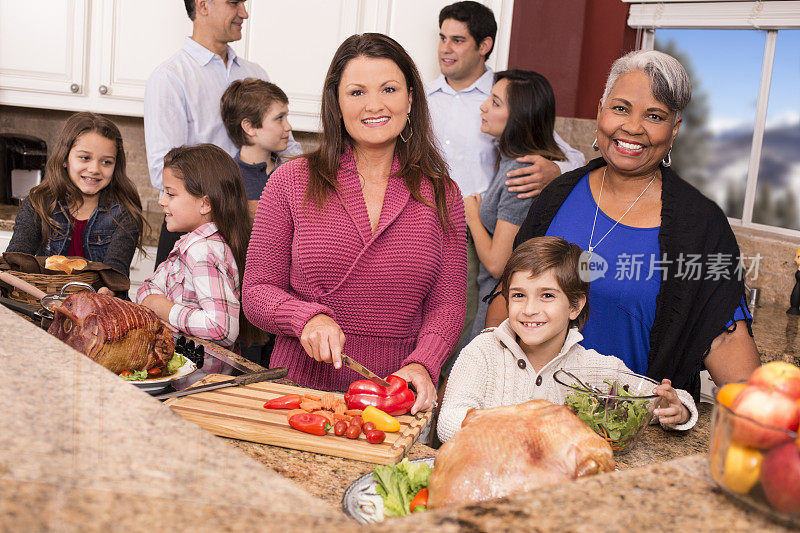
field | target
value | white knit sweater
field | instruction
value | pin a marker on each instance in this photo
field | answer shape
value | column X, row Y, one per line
column 488, row 374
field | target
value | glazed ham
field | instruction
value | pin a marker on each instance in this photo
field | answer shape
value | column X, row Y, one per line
column 117, row 334
column 515, row 448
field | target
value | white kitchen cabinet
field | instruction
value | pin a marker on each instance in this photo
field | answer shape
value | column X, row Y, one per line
column 43, row 49
column 5, row 238
column 141, row 268
column 96, row 55
column 85, row 55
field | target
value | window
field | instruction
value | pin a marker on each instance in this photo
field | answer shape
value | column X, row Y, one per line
column 740, row 139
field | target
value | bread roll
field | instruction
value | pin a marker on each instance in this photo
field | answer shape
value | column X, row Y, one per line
column 64, row 264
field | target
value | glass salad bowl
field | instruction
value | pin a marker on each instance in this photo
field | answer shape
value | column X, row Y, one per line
column 763, row 477
column 615, row 403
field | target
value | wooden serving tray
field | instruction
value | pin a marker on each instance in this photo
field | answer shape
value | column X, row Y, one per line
column 238, row 413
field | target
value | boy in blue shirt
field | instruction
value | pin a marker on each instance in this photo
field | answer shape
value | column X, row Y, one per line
column 255, row 113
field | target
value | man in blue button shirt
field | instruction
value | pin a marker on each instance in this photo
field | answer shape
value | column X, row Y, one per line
column 182, row 97
column 467, row 32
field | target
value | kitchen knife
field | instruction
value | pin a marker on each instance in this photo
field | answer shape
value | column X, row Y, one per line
column 364, row 371
column 244, row 379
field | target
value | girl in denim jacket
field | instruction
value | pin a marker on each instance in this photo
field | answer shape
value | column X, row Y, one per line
column 86, row 205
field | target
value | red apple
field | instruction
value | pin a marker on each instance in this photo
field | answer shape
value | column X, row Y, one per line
column 780, row 477
column 778, row 376
column 766, row 407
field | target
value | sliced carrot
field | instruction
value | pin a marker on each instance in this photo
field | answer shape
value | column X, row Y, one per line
column 312, row 397
column 342, row 416
column 353, row 412
column 293, row 412
column 339, row 408
column 326, row 414
column 327, row 401
column 310, row 405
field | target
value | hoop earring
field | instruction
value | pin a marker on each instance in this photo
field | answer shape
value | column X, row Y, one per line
column 667, row 161
column 410, row 129
column 594, row 144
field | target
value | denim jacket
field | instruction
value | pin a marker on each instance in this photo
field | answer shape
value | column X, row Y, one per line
column 110, row 235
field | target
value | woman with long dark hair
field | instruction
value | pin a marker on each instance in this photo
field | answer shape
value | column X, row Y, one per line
column 520, row 113
column 360, row 245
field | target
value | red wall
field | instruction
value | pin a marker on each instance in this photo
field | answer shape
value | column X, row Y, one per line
column 572, row 43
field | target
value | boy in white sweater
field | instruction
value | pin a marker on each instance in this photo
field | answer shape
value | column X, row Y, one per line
column 515, row 362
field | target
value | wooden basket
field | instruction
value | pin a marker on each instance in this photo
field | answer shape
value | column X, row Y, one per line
column 49, row 283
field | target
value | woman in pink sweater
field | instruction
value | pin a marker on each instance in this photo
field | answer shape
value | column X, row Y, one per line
column 360, row 246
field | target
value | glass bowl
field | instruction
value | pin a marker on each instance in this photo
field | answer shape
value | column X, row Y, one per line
column 765, row 479
column 619, row 415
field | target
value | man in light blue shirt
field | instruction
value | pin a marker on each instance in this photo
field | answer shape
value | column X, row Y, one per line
column 182, row 97
column 466, row 38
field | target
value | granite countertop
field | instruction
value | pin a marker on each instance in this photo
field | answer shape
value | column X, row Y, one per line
column 81, row 449
column 776, row 334
column 678, row 495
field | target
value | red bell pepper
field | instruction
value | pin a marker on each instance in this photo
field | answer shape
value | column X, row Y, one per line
column 290, row 401
column 310, row 423
column 396, row 399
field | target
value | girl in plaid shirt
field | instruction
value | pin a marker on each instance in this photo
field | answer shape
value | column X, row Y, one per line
column 197, row 289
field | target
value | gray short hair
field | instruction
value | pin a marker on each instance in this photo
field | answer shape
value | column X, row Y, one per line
column 668, row 79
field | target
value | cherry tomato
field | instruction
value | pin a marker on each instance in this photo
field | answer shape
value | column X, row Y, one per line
column 126, row 373
column 375, row 436
column 367, row 426
column 353, row 432
column 340, row 428
column 356, row 421
column 154, row 372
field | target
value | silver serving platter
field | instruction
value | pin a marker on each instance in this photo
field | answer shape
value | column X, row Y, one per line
column 360, row 501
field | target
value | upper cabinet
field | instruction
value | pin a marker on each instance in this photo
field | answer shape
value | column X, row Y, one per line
column 96, row 55
column 52, row 60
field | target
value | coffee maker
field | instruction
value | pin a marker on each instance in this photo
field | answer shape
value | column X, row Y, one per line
column 22, row 163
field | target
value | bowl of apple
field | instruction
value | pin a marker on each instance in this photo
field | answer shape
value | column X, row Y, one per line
column 755, row 447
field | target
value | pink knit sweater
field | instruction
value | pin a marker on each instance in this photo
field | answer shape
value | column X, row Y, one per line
column 398, row 294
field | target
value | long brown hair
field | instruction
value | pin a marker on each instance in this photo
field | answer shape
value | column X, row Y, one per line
column 56, row 185
column 418, row 157
column 541, row 254
column 207, row 170
column 531, row 116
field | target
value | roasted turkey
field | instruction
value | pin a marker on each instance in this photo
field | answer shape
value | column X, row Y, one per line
column 515, row 448
column 117, row 334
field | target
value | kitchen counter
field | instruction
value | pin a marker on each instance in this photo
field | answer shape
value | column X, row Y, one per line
column 776, row 334
column 82, row 450
column 678, row 495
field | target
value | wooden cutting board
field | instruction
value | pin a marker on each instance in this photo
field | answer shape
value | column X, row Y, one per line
column 238, row 413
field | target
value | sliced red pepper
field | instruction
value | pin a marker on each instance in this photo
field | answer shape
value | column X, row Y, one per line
column 420, row 499
column 396, row 399
column 310, row 423
column 290, row 401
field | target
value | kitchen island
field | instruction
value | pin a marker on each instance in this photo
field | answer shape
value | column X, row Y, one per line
column 82, row 450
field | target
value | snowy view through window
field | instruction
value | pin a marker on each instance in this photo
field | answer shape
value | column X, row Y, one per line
column 712, row 150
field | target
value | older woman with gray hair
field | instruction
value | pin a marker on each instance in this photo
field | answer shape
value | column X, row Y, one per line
column 667, row 293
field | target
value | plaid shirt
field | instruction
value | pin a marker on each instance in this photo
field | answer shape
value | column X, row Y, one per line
column 201, row 278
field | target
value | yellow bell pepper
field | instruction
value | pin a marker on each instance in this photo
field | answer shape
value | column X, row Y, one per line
column 742, row 468
column 382, row 421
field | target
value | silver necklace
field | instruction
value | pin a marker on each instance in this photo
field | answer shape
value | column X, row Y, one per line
column 597, row 209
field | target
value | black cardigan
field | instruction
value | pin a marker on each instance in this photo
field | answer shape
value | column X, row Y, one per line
column 689, row 313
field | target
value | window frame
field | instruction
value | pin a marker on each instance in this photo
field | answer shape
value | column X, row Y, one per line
column 647, row 16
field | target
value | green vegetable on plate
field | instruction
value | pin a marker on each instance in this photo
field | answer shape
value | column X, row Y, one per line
column 398, row 484
column 174, row 364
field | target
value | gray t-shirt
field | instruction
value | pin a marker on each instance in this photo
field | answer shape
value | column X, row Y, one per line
column 497, row 204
